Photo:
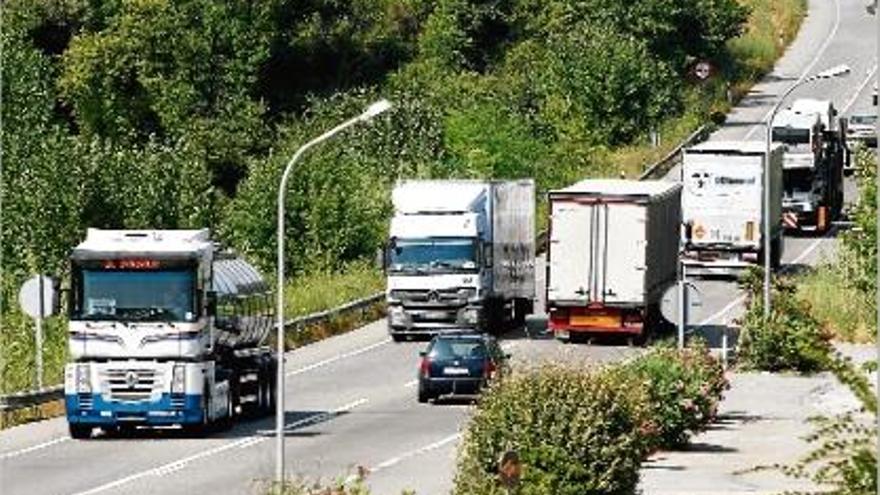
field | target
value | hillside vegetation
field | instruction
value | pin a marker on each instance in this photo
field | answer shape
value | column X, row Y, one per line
column 182, row 114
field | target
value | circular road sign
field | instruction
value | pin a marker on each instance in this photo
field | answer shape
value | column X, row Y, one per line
column 29, row 297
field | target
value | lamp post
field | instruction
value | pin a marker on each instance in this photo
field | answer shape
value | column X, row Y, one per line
column 371, row 111
column 837, row 71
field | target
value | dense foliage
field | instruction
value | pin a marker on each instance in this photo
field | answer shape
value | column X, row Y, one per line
column 587, row 431
column 791, row 338
column 858, row 258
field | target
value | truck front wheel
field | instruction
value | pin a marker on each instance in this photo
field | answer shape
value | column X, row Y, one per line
column 79, row 431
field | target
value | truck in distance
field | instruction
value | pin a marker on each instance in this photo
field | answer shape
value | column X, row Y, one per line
column 613, row 250
column 722, row 206
column 165, row 329
column 813, row 163
column 460, row 254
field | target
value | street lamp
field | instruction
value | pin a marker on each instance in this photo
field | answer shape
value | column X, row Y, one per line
column 837, row 71
column 371, row 111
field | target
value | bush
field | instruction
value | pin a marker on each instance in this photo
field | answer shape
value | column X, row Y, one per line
column 790, row 339
column 575, row 432
column 683, row 389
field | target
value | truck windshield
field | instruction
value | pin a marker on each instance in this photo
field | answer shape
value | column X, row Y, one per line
column 791, row 136
column 162, row 295
column 797, row 180
column 433, row 256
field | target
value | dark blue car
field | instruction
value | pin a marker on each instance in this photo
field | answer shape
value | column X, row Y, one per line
column 459, row 364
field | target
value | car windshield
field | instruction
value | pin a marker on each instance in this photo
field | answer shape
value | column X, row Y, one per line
column 435, row 255
column 162, row 295
column 863, row 119
column 458, row 349
column 791, row 136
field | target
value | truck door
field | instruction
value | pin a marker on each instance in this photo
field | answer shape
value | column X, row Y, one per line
column 623, row 263
column 571, row 238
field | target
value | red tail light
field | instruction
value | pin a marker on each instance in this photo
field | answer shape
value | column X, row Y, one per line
column 489, row 369
column 425, row 367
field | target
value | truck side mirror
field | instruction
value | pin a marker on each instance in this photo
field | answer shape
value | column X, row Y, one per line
column 211, row 303
column 487, row 254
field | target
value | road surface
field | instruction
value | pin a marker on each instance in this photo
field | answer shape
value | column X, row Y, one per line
column 351, row 399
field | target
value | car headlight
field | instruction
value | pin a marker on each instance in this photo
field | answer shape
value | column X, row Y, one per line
column 83, row 379
column 178, row 379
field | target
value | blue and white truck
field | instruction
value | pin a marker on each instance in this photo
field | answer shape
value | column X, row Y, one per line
column 461, row 254
column 166, row 329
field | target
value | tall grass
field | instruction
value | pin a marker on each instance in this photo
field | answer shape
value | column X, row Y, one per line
column 322, row 290
column 844, row 311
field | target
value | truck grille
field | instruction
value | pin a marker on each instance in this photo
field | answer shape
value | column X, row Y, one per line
column 85, row 401
column 428, row 298
column 131, row 385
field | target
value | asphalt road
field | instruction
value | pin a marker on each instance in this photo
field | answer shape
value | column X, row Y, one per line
column 351, row 399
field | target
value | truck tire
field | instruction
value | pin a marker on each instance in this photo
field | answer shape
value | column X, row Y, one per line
column 80, row 431
column 521, row 309
column 776, row 254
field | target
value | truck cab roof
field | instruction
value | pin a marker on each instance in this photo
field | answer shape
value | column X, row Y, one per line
column 100, row 243
column 796, row 120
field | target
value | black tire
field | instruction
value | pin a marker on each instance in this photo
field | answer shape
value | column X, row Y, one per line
column 80, row 431
column 424, row 396
column 776, row 254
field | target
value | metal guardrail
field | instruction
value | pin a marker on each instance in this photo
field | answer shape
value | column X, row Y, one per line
column 672, row 158
column 30, row 398
column 21, row 400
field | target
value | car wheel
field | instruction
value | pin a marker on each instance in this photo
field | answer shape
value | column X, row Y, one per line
column 424, row 396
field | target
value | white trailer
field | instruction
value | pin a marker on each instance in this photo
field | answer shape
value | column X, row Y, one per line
column 723, row 206
column 613, row 251
column 460, row 254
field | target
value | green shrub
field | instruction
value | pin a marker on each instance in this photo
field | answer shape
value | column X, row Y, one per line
column 575, row 432
column 791, row 338
column 683, row 389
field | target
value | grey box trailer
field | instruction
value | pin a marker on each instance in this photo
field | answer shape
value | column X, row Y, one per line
column 613, row 250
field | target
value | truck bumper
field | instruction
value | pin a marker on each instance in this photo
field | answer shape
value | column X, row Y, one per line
column 567, row 320
column 423, row 320
column 93, row 409
column 725, row 264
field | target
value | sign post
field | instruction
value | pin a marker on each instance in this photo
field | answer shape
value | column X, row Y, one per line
column 38, row 300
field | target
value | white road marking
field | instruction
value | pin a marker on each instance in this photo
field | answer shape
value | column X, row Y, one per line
column 244, row 442
column 406, row 455
column 861, row 88
column 410, row 384
column 333, row 359
column 16, row 453
column 806, row 71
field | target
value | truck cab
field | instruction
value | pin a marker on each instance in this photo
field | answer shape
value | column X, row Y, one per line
column 460, row 254
column 163, row 327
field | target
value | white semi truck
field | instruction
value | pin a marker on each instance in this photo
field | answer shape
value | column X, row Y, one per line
column 813, row 165
column 723, row 206
column 165, row 329
column 613, row 250
column 460, row 254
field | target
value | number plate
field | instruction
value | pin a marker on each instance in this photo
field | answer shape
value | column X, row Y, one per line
column 449, row 370
column 605, row 321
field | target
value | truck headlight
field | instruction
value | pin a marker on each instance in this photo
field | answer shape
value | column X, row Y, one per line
column 83, row 379
column 178, row 379
column 467, row 293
